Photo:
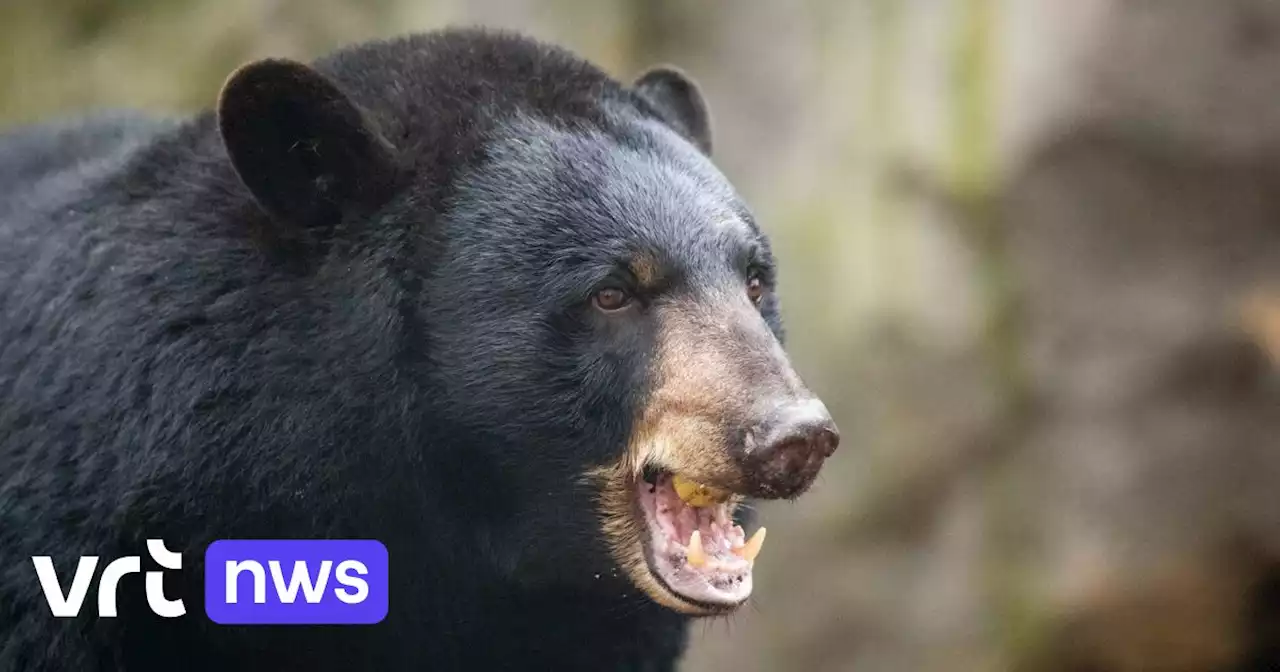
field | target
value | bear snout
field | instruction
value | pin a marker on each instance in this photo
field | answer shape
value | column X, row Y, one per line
column 784, row 452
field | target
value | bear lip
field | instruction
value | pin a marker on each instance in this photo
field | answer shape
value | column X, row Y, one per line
column 722, row 580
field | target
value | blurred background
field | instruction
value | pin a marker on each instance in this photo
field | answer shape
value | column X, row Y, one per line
column 1030, row 257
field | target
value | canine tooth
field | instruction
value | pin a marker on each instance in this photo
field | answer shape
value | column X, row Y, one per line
column 697, row 557
column 751, row 549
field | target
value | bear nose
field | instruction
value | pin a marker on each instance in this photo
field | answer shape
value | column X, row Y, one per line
column 792, row 445
column 800, row 431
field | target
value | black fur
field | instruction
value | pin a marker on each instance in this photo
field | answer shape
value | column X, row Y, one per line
column 680, row 101
column 414, row 362
column 303, row 149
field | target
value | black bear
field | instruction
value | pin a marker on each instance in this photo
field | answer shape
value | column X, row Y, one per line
column 462, row 293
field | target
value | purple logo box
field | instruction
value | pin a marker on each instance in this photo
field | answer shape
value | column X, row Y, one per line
column 296, row 582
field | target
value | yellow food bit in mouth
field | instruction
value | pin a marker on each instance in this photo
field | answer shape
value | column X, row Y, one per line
column 696, row 494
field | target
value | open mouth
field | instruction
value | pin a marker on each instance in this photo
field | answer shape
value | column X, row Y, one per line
column 692, row 545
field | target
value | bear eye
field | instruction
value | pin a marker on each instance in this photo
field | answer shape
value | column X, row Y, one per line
column 755, row 289
column 611, row 299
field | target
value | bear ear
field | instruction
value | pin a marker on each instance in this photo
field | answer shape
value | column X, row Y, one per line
column 301, row 146
column 679, row 99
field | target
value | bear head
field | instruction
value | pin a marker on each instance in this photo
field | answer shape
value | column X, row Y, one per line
column 588, row 303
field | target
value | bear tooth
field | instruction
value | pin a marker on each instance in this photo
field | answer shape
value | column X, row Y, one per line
column 751, row 549
column 697, row 495
column 697, row 557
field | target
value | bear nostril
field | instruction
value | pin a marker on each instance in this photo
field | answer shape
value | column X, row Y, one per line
column 805, row 447
column 828, row 440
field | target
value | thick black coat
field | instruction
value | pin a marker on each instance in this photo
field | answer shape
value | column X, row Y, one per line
column 176, row 365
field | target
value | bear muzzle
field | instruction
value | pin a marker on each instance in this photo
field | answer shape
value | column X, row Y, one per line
column 783, row 454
